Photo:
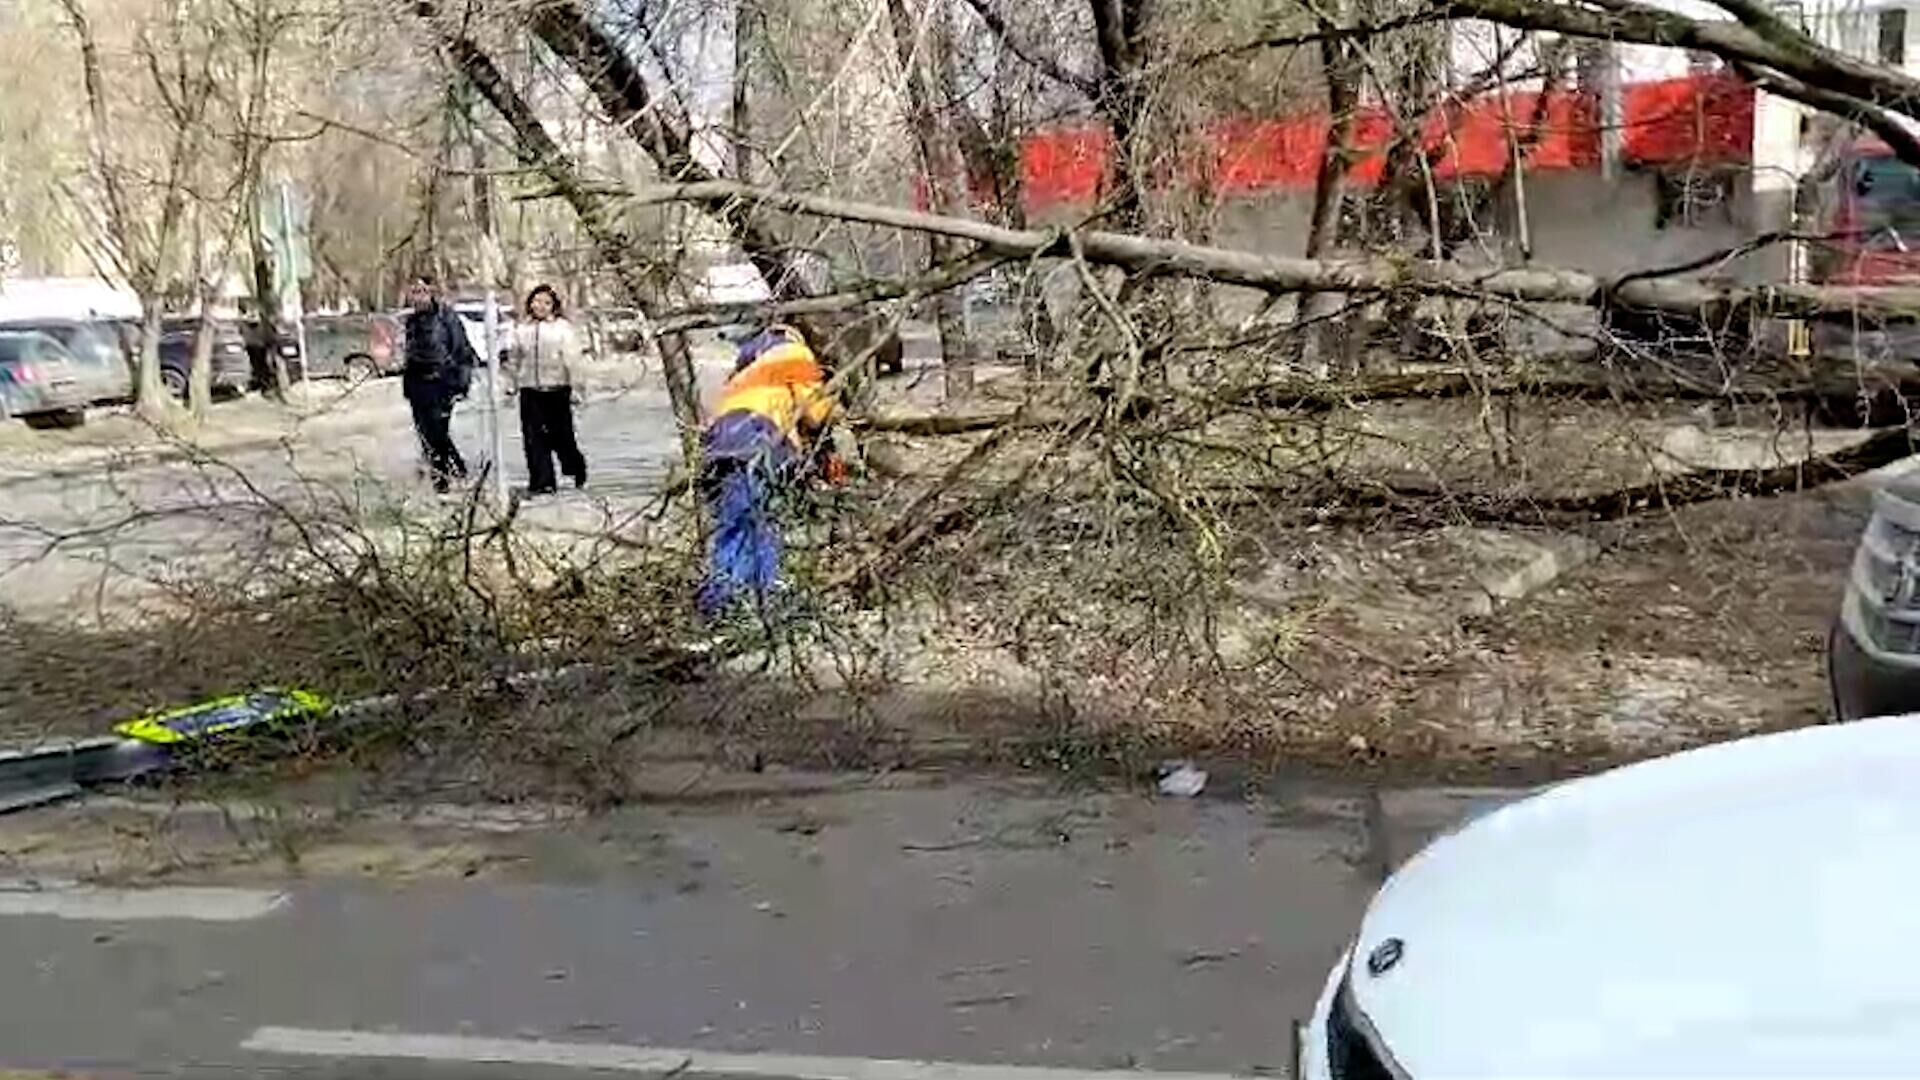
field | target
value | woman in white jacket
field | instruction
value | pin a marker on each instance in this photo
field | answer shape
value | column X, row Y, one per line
column 540, row 360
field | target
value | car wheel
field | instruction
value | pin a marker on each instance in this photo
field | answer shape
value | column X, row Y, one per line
column 175, row 382
column 361, row 368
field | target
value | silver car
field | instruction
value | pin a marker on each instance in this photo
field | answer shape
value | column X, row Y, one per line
column 40, row 381
column 105, row 373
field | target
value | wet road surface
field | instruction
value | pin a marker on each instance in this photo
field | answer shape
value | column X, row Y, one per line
column 990, row 924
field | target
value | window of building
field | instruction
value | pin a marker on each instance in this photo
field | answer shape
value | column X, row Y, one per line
column 1893, row 36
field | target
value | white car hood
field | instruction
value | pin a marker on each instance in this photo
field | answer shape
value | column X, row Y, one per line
column 1749, row 909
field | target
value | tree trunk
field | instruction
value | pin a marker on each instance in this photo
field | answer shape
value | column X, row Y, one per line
column 746, row 28
column 537, row 150
column 269, row 368
column 149, row 394
column 658, row 127
column 200, row 377
column 943, row 174
column 1119, row 29
column 200, row 369
column 1340, row 67
column 1657, row 291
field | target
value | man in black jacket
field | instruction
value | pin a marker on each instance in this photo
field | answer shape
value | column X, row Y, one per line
column 439, row 369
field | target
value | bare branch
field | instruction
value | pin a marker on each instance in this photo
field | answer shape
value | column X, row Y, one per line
column 1052, row 69
column 1813, row 64
column 1356, row 32
column 1280, row 274
column 1868, row 115
column 938, row 280
column 571, row 31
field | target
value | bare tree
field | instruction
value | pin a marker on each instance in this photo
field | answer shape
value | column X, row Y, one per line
column 143, row 213
column 920, row 37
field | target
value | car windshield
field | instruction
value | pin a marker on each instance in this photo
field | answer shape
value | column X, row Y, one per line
column 13, row 348
column 1887, row 200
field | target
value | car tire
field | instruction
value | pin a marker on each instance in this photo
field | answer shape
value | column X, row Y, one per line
column 175, row 382
column 361, row 368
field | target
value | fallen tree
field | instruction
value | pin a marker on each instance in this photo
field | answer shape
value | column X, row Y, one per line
column 579, row 40
column 1282, row 274
column 1878, row 450
column 1846, row 398
column 537, row 149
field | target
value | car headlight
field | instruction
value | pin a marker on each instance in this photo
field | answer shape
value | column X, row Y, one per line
column 1884, row 587
column 1354, row 1048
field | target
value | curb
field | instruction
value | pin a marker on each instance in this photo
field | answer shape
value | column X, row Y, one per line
column 53, row 771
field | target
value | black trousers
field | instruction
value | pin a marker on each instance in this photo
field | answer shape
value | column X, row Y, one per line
column 432, row 421
column 546, row 427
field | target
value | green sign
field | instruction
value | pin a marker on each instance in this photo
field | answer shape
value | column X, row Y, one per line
column 286, row 217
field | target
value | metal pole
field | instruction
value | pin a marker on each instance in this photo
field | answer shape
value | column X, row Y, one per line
column 293, row 279
column 497, row 434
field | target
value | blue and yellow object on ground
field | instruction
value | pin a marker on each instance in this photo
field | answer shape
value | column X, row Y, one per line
column 224, row 715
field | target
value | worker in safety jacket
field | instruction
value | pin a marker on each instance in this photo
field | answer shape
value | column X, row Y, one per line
column 765, row 437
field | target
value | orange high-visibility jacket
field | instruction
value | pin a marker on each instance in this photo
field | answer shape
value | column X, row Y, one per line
column 785, row 384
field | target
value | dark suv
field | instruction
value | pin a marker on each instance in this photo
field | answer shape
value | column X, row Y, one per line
column 232, row 371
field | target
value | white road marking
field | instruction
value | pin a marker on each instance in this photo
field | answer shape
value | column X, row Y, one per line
column 92, row 904
column 610, row 1057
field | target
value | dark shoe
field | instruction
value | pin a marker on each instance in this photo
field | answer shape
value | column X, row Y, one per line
column 580, row 479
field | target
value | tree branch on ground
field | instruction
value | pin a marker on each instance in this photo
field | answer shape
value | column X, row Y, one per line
column 1281, row 274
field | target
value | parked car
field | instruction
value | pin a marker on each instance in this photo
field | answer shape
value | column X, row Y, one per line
column 840, row 336
column 615, row 330
column 40, row 381
column 103, row 361
column 356, row 347
column 473, row 313
column 232, row 370
column 1873, row 651
column 1738, row 910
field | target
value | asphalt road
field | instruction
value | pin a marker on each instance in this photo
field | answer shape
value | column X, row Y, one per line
column 973, row 924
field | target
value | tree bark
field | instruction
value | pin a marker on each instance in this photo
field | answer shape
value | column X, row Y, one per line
column 943, row 173
column 746, row 28
column 1340, row 67
column 200, row 367
column 1119, row 32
